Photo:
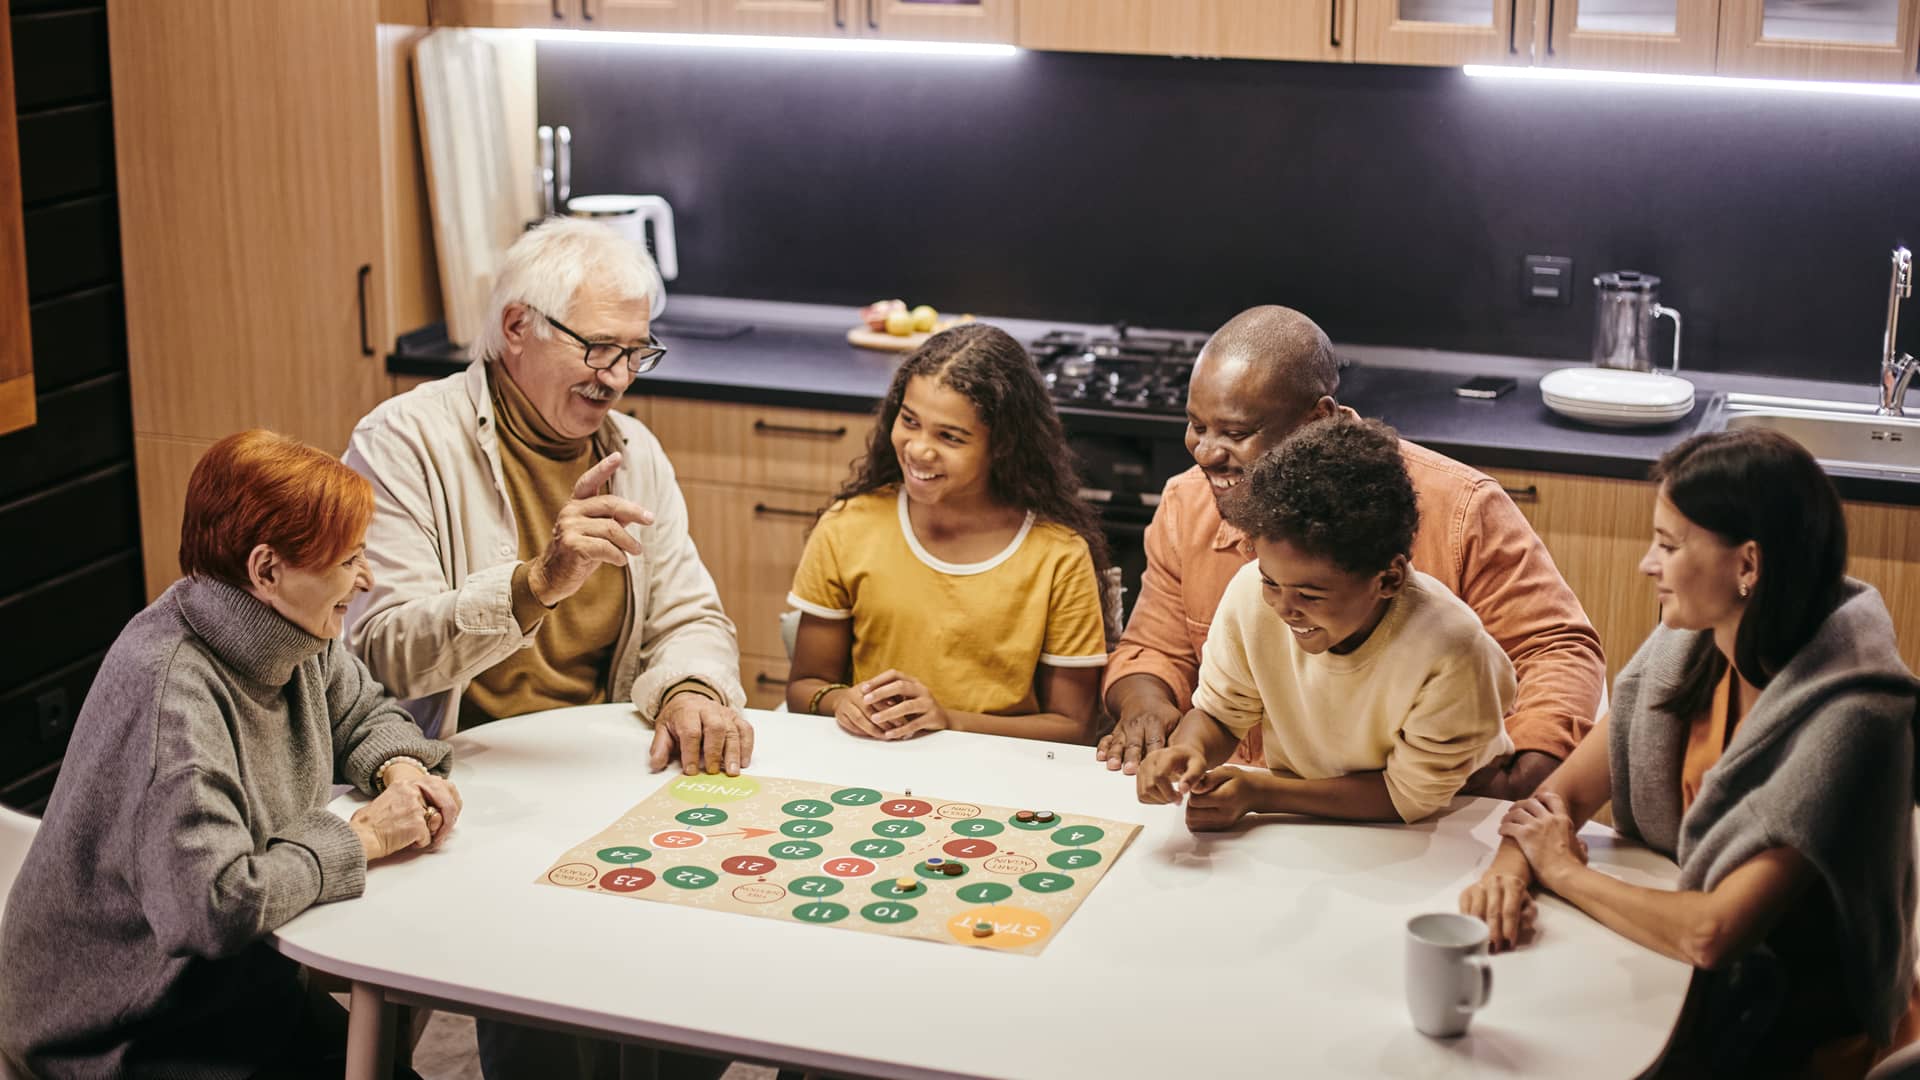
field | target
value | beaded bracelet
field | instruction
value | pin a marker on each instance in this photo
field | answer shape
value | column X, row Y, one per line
column 380, row 777
column 813, row 707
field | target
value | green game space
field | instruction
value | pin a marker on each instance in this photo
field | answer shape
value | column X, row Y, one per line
column 1074, row 859
column 807, row 808
column 624, row 855
column 701, row 815
column 794, row 849
column 931, row 874
column 898, row 828
column 986, row 892
column 877, row 848
column 1077, row 835
column 820, row 913
column 856, row 796
column 889, row 911
column 818, row 888
column 805, row 827
column 978, row 827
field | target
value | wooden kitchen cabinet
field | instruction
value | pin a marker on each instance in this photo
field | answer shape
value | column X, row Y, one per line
column 1676, row 36
column 803, row 450
column 1883, row 550
column 1596, row 529
column 669, row 16
column 1841, row 39
column 908, row 20
column 1444, row 32
column 16, row 346
column 263, row 195
column 754, row 477
column 1246, row 29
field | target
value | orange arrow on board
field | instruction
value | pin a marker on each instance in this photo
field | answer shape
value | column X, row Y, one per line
column 746, row 831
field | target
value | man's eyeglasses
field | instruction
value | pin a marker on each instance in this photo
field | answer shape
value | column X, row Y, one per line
column 601, row 355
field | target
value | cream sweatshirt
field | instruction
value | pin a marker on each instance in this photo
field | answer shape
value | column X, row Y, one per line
column 1423, row 698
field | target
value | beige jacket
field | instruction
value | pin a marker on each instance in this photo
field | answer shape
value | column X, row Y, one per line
column 443, row 547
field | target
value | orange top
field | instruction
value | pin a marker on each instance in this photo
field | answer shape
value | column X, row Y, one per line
column 1707, row 738
column 1471, row 537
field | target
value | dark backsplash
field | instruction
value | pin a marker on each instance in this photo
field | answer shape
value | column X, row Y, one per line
column 1391, row 204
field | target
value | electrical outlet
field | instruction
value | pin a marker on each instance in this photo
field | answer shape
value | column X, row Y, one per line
column 55, row 714
column 1546, row 280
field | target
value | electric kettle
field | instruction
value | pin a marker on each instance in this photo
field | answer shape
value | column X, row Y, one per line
column 1623, row 317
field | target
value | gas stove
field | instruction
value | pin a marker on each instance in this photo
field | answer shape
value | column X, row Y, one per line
column 1130, row 371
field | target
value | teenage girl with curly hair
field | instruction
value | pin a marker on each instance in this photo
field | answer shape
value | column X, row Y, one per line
column 955, row 580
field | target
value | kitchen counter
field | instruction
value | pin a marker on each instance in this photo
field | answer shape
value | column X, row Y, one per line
column 796, row 355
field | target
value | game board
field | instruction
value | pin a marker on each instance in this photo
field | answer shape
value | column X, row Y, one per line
column 830, row 854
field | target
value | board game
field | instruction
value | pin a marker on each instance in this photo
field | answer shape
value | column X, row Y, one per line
column 891, row 863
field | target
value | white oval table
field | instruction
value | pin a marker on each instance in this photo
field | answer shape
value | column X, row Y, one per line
column 1273, row 950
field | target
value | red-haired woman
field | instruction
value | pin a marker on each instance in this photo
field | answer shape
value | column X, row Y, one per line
column 190, row 818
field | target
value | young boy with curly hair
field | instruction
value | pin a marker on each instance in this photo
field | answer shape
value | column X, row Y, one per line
column 1379, row 690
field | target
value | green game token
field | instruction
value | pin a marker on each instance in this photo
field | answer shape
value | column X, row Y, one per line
column 1044, row 882
column 702, row 815
column 978, row 827
column 1076, row 835
column 898, row 828
column 804, row 827
column 1076, row 859
column 794, row 849
column 807, row 808
column 820, row 913
column 689, row 877
column 623, row 856
column 987, row 892
column 878, row 849
column 889, row 911
column 855, row 796
column 816, row 887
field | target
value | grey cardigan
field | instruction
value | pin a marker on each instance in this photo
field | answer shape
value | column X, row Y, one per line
column 1822, row 763
column 189, row 822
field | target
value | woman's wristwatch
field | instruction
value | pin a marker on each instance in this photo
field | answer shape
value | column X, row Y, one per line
column 380, row 777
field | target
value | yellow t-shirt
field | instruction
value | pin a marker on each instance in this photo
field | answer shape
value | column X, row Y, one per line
column 1423, row 698
column 974, row 633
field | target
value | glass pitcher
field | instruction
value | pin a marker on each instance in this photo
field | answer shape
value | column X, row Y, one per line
column 1623, row 317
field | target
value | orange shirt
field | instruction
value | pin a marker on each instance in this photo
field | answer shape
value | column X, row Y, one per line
column 1471, row 537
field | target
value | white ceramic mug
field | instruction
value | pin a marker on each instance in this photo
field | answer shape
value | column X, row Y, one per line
column 1448, row 976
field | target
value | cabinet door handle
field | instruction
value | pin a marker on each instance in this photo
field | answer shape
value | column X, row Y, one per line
column 761, row 427
column 1333, row 26
column 557, row 13
column 761, row 678
column 1550, row 14
column 1513, row 25
column 839, row 14
column 586, row 10
column 1530, row 493
column 873, row 21
column 763, row 510
column 366, row 344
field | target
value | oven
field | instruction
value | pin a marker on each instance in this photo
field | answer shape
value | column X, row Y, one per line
column 1122, row 400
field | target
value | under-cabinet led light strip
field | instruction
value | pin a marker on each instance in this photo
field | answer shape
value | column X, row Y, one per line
column 1706, row 82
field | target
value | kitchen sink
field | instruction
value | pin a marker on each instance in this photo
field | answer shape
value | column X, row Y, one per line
column 1836, row 432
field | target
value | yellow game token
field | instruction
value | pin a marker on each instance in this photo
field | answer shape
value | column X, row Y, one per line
column 905, row 884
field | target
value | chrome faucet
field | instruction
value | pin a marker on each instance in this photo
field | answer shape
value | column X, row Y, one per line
column 1895, row 374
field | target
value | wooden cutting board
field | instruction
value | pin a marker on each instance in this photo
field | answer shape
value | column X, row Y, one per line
column 885, row 342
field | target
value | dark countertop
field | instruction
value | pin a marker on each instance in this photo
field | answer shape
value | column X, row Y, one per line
column 797, row 356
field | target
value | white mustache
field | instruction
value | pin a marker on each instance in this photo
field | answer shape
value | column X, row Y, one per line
column 594, row 391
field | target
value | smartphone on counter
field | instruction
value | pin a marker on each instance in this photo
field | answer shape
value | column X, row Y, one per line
column 1486, row 387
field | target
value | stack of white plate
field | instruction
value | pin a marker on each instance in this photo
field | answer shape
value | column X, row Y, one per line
column 1611, row 397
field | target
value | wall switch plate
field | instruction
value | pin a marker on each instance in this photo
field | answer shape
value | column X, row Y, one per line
column 54, row 713
column 1546, row 280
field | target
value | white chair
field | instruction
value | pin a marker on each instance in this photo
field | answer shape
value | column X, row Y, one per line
column 16, row 836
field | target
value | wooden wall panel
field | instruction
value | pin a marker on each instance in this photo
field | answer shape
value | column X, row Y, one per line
column 165, row 464
column 16, row 345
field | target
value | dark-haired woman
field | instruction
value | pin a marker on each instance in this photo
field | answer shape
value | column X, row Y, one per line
column 954, row 582
column 1763, row 738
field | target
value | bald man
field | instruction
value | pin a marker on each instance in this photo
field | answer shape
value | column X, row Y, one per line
column 1266, row 373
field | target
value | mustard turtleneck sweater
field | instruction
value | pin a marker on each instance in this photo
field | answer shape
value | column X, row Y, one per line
column 573, row 644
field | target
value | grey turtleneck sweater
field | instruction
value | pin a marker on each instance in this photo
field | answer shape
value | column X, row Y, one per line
column 188, row 823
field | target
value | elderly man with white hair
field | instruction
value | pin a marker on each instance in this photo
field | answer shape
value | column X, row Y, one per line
column 529, row 543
